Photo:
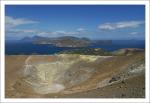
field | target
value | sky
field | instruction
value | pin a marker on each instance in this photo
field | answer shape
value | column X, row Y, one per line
column 92, row 21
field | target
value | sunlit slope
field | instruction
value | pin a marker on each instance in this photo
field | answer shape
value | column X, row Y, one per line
column 73, row 75
column 65, row 71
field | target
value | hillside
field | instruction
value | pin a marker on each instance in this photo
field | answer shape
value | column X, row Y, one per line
column 75, row 76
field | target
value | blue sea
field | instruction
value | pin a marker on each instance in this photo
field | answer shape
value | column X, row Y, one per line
column 28, row 48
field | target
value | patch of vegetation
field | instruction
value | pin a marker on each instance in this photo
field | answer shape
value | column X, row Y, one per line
column 87, row 51
column 102, row 52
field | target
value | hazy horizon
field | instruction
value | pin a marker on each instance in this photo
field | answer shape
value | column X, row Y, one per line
column 7, row 39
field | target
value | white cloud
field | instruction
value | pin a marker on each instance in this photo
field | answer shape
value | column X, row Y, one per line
column 134, row 33
column 58, row 32
column 42, row 33
column 30, row 32
column 12, row 29
column 120, row 25
column 137, row 33
column 80, row 29
column 106, row 26
column 67, row 33
column 21, row 31
column 75, row 32
column 13, row 22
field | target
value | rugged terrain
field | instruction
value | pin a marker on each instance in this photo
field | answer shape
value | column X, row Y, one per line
column 121, row 75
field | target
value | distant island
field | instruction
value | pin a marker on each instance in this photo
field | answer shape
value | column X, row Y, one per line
column 65, row 41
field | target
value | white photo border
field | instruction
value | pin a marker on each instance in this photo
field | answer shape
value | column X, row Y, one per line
column 111, row 2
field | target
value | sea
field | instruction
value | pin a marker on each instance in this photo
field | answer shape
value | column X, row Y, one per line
column 28, row 48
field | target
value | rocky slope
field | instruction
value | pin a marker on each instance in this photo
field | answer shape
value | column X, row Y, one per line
column 75, row 75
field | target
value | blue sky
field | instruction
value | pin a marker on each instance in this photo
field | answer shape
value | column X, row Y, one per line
column 92, row 21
